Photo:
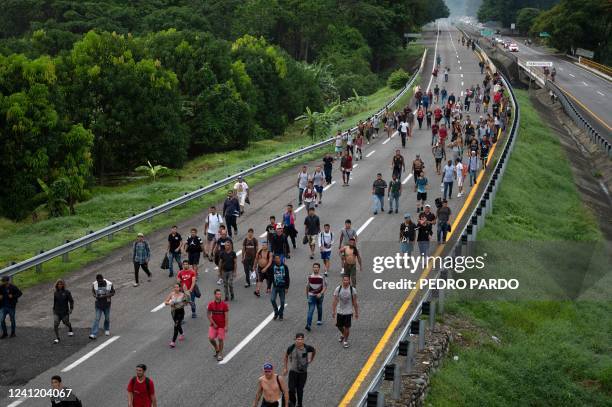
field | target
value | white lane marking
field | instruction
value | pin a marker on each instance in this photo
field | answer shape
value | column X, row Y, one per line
column 17, row 402
column 386, row 141
column 160, row 306
column 356, row 165
column 324, row 189
column 600, row 93
column 461, row 91
column 461, row 83
column 435, row 55
column 394, row 134
column 89, row 354
column 299, row 209
column 573, row 76
column 584, row 83
column 248, row 338
column 370, row 153
column 365, row 225
column 460, row 68
column 264, row 234
column 462, row 75
column 407, row 178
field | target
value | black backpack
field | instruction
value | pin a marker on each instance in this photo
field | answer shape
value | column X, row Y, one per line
column 438, row 203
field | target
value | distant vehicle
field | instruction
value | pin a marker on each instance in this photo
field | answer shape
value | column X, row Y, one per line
column 506, row 44
column 513, row 47
column 499, row 40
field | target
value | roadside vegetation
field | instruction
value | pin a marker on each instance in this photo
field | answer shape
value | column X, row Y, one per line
column 532, row 352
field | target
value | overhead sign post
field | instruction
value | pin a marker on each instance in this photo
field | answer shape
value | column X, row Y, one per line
column 412, row 35
column 540, row 63
column 544, row 34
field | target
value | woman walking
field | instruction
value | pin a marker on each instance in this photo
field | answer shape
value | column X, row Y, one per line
column 177, row 300
column 63, row 304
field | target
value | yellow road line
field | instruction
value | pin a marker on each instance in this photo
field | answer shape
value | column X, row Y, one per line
column 380, row 346
column 583, row 106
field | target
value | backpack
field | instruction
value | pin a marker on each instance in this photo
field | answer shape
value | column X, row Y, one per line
column 340, row 287
column 147, row 383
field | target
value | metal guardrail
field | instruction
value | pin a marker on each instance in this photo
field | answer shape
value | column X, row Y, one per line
column 592, row 64
column 371, row 396
column 115, row 227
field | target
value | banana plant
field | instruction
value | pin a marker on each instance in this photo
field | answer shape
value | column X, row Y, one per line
column 153, row 171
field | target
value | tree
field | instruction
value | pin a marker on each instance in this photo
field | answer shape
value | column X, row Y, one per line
column 52, row 198
column 153, row 171
column 525, row 18
column 318, row 124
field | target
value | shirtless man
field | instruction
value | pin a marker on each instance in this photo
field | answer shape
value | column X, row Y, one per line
column 273, row 389
column 350, row 258
column 263, row 259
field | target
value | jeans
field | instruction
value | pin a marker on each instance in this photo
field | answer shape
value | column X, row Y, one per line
column 314, row 301
column 297, row 381
column 193, row 304
column 448, row 187
column 423, row 247
column 300, row 192
column 378, row 203
column 177, row 316
column 96, row 324
column 443, row 228
column 280, row 291
column 228, row 284
column 174, row 256
column 393, row 198
column 406, row 247
column 248, row 267
column 10, row 311
column 137, row 267
column 403, row 135
column 472, row 177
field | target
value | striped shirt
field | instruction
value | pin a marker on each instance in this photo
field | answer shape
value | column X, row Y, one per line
column 316, row 283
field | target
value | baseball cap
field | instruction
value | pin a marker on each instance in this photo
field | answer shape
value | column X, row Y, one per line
column 140, row 235
column 406, row 215
column 428, row 206
column 267, row 366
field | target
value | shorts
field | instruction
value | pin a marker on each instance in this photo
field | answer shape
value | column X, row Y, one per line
column 338, row 149
column 266, row 403
column 325, row 255
column 263, row 275
column 312, row 239
column 210, row 237
column 460, row 181
column 344, row 321
column 438, row 160
column 421, row 196
column 216, row 333
column 193, row 258
column 319, row 189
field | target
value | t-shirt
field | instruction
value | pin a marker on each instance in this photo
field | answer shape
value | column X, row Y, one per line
column 142, row 397
column 302, row 180
column 318, row 178
column 299, row 357
column 444, row 214
column 194, row 244
column 379, row 187
column 214, row 221
column 241, row 187
column 313, row 225
column 394, row 187
column 408, row 232
column 326, row 240
column 421, row 183
column 338, row 141
column 448, row 173
column 174, row 241
column 250, row 248
column 398, row 161
column 221, row 242
column 404, row 127
column 316, row 283
column 345, row 300
column 186, row 277
column 348, row 234
column 218, row 310
column 459, row 169
column 309, row 195
column 227, row 259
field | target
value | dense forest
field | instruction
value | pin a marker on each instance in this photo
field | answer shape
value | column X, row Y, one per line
column 570, row 23
column 89, row 88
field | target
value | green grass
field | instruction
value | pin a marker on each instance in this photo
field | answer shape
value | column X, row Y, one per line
column 21, row 240
column 552, row 353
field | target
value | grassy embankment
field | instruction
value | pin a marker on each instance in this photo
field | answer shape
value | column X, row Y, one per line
column 550, row 353
column 21, row 240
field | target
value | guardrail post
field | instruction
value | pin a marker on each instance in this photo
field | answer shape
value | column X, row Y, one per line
column 432, row 315
column 375, row 399
column 151, row 218
column 421, row 334
column 88, row 245
column 39, row 266
column 406, row 348
column 110, row 237
column 397, row 383
column 65, row 257
column 131, row 227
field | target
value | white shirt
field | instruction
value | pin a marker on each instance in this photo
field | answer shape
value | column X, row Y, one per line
column 241, row 187
column 214, row 221
column 459, row 169
column 326, row 240
column 349, row 139
column 404, row 127
column 338, row 140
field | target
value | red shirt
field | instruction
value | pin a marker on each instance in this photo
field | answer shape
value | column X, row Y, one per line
column 438, row 113
column 142, row 398
column 218, row 310
column 186, row 277
column 348, row 163
column 443, row 133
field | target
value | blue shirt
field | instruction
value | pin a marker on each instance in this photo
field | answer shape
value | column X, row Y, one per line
column 421, row 183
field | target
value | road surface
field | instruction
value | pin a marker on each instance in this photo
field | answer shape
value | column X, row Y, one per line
column 189, row 375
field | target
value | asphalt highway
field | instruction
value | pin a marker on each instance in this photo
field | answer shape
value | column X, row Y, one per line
column 189, row 375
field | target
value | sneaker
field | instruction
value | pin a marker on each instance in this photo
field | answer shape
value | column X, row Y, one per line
column 194, row 315
column 459, row 195
column 181, row 338
column 345, row 344
column 233, row 297
column 220, row 281
column 70, row 333
column 375, row 213
column 341, row 338
column 219, row 357
column 325, row 274
column 275, row 317
column 136, row 284
column 306, row 328
column 247, row 285
column 92, row 337
column 280, row 317
column 172, row 344
column 390, row 211
column 319, row 322
column 170, row 275
column 311, row 257
column 107, row 333
column 342, row 270
column 55, row 341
